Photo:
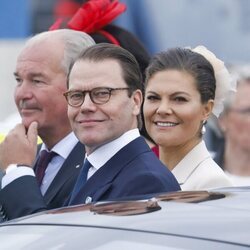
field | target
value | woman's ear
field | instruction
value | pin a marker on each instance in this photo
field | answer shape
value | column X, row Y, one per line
column 207, row 109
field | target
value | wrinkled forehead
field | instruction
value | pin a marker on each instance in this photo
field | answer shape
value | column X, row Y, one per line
column 41, row 57
column 50, row 47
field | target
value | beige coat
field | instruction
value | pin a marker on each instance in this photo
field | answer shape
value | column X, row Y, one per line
column 198, row 171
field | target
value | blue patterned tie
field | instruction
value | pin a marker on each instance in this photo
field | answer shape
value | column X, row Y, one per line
column 81, row 180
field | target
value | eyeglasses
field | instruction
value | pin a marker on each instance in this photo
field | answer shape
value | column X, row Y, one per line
column 101, row 95
column 243, row 111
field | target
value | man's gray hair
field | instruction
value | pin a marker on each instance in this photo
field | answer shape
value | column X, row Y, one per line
column 227, row 103
column 74, row 43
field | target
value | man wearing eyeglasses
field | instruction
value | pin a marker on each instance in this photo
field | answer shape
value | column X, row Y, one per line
column 235, row 123
column 104, row 96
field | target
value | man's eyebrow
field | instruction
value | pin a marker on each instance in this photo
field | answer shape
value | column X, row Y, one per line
column 31, row 75
column 36, row 75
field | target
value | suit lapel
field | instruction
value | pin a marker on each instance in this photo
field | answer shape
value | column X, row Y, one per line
column 37, row 154
column 101, row 181
column 69, row 169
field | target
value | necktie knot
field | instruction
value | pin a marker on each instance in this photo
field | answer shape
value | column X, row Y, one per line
column 42, row 163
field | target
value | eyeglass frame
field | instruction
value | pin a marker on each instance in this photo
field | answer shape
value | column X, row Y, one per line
column 66, row 95
column 243, row 111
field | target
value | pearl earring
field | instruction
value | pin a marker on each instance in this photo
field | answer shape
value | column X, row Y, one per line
column 203, row 129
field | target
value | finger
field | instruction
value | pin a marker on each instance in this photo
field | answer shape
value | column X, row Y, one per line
column 32, row 132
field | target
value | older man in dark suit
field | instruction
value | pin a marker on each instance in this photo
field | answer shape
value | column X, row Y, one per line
column 41, row 76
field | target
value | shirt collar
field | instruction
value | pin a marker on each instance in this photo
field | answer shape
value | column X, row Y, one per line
column 104, row 153
column 64, row 146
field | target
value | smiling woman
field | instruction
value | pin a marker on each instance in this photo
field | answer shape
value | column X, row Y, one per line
column 179, row 97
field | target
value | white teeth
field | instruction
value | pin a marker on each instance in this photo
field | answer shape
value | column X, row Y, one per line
column 166, row 124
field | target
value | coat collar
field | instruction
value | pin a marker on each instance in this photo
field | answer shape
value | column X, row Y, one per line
column 190, row 162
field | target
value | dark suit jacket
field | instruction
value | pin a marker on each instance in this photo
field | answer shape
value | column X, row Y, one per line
column 60, row 188
column 1, row 176
column 134, row 170
column 63, row 183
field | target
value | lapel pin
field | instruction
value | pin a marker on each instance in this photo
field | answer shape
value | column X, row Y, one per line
column 88, row 200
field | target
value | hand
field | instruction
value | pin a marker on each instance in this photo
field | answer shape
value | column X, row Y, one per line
column 19, row 147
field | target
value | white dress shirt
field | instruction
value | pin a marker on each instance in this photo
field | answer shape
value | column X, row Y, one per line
column 62, row 148
column 104, row 153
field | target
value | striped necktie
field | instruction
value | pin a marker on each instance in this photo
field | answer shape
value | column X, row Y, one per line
column 42, row 163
